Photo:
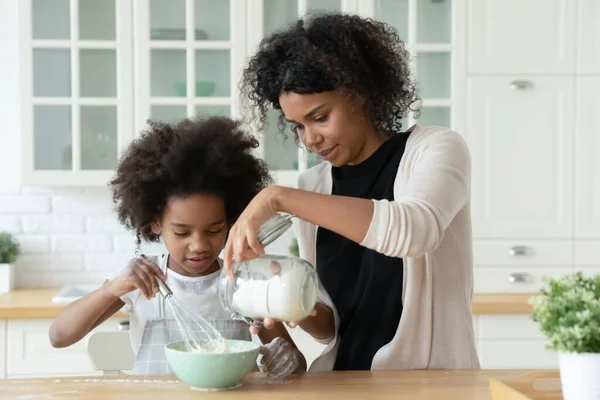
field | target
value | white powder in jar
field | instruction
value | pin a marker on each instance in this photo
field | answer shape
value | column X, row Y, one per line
column 280, row 297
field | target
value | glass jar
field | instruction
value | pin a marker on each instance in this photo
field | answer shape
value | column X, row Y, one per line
column 279, row 287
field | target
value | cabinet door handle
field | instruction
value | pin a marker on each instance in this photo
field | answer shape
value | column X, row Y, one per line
column 517, row 251
column 521, row 85
column 519, row 278
column 123, row 326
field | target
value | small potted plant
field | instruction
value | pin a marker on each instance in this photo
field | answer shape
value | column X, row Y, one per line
column 568, row 313
column 9, row 250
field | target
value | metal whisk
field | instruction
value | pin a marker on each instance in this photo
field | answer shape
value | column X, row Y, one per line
column 189, row 324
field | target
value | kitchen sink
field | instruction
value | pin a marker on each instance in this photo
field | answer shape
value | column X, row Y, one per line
column 71, row 293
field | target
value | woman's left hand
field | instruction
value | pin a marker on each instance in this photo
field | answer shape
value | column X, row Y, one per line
column 242, row 243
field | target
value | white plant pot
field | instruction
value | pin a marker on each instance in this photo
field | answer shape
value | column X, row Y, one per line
column 580, row 375
column 7, row 277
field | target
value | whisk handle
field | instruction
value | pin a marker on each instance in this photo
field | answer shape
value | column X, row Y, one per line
column 163, row 288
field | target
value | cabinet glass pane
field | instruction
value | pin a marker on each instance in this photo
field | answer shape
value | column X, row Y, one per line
column 280, row 152
column 50, row 19
column 213, row 73
column 278, row 14
column 52, row 137
column 99, row 144
column 212, row 19
column 323, row 5
column 433, row 75
column 222, row 111
column 168, row 113
column 98, row 69
column 437, row 116
column 167, row 73
column 313, row 159
column 51, row 73
column 167, row 19
column 394, row 13
column 433, row 21
column 97, row 20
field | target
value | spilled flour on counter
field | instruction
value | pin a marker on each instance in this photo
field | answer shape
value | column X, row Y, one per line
column 47, row 396
column 124, row 381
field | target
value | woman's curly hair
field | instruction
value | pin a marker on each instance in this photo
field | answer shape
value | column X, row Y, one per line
column 206, row 155
column 332, row 51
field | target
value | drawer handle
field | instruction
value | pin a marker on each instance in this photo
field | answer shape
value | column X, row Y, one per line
column 521, row 85
column 123, row 326
column 517, row 251
column 520, row 278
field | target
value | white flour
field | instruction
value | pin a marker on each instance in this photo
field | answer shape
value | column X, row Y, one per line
column 279, row 297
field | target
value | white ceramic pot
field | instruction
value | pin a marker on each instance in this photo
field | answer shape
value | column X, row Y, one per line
column 580, row 375
column 7, row 277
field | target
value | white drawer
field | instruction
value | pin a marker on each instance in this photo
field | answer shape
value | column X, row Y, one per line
column 29, row 352
column 526, row 252
column 521, row 354
column 508, row 327
column 515, row 278
column 587, row 252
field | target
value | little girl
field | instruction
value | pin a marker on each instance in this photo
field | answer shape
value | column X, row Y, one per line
column 185, row 183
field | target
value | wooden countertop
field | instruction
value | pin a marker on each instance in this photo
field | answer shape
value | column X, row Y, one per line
column 32, row 304
column 502, row 303
column 37, row 303
column 402, row 385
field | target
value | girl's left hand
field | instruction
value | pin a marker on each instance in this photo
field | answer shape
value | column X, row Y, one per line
column 280, row 359
column 242, row 242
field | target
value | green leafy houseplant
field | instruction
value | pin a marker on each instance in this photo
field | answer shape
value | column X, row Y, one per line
column 568, row 313
column 9, row 248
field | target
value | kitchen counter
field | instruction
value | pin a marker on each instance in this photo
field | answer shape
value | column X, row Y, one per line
column 32, row 304
column 402, row 385
column 37, row 303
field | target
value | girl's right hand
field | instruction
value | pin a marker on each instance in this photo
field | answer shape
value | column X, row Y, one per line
column 140, row 274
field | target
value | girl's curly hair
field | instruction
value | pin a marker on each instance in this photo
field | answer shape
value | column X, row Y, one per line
column 332, row 51
column 206, row 155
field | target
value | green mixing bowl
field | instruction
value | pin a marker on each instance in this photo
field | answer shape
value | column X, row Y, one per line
column 213, row 371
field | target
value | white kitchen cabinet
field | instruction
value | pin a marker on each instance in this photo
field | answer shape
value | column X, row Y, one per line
column 76, row 93
column 29, row 352
column 530, row 252
column 588, row 37
column 188, row 58
column 521, row 36
column 587, row 128
column 520, row 133
column 512, row 341
column 514, row 278
column 3, row 349
column 165, row 60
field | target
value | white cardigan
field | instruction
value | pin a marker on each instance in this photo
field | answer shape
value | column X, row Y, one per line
column 428, row 225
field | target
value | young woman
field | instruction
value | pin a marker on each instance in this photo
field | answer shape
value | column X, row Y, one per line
column 386, row 218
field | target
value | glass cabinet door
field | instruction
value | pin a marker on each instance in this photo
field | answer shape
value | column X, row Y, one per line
column 189, row 54
column 426, row 28
column 77, row 93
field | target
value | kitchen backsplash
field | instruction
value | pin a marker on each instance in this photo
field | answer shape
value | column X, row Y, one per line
column 66, row 235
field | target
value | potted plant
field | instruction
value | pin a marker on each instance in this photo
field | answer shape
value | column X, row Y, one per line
column 568, row 313
column 9, row 250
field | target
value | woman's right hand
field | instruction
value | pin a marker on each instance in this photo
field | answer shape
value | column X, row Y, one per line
column 140, row 274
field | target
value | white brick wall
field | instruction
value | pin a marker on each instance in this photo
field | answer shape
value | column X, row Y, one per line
column 66, row 236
